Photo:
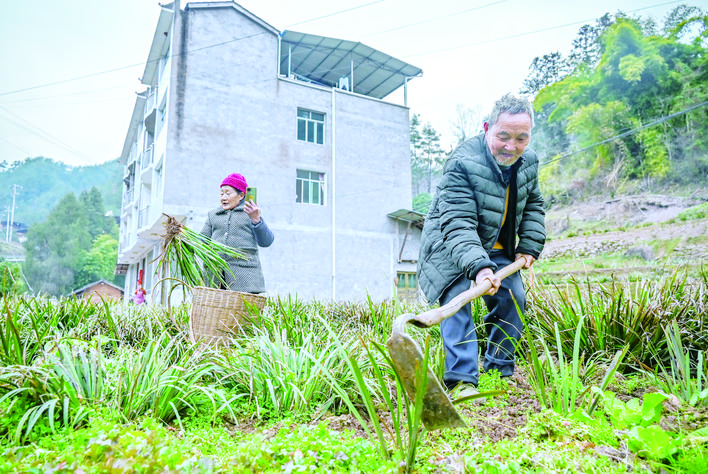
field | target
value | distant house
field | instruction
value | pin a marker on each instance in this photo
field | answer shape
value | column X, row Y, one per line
column 99, row 289
column 17, row 229
column 305, row 118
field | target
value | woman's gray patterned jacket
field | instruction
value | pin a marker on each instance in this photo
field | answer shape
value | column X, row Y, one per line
column 234, row 228
column 466, row 215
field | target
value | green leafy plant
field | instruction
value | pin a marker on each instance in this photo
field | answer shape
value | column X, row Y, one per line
column 685, row 375
column 696, row 212
column 198, row 259
column 557, row 384
column 632, row 413
column 277, row 375
column 164, row 380
column 616, row 315
column 24, row 331
column 63, row 388
column 653, row 442
column 406, row 413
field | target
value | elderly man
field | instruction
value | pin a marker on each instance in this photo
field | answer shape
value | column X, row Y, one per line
column 488, row 196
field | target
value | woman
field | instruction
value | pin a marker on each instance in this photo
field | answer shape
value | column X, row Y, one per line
column 238, row 223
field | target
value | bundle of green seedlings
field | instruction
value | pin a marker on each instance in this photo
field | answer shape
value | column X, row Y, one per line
column 198, row 259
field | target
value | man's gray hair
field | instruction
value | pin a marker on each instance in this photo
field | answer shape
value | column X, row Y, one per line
column 511, row 104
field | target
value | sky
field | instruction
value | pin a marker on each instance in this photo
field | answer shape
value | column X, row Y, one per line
column 71, row 69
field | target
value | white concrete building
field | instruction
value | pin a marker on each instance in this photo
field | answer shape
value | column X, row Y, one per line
column 304, row 119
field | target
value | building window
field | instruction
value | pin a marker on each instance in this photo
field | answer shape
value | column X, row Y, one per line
column 407, row 286
column 310, row 126
column 407, row 280
column 310, row 187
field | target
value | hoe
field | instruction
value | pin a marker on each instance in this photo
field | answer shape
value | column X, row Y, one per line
column 438, row 411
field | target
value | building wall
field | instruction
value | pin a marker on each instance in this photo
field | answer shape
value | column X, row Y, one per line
column 229, row 111
column 99, row 290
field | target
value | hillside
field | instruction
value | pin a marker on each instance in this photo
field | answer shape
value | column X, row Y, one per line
column 628, row 235
column 42, row 183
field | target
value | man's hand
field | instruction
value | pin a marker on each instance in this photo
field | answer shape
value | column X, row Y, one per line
column 488, row 274
column 529, row 259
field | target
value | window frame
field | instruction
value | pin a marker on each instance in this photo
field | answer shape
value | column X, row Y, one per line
column 310, row 126
column 315, row 180
column 408, row 282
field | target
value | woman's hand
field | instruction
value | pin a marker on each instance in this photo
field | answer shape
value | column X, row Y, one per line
column 253, row 211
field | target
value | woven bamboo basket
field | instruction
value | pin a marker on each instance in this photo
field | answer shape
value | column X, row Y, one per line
column 216, row 314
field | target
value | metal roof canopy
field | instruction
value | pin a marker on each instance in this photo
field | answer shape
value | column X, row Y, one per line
column 412, row 217
column 325, row 61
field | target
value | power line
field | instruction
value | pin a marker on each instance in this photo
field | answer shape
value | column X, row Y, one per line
column 45, row 135
column 429, row 20
column 68, row 94
column 550, row 28
column 334, row 14
column 15, row 146
column 87, row 76
column 627, row 133
column 79, row 78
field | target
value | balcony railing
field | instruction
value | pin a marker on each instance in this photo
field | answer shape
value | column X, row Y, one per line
column 147, row 157
column 143, row 217
column 126, row 241
column 129, row 196
column 150, row 101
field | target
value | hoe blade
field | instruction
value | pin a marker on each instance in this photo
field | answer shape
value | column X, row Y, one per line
column 438, row 411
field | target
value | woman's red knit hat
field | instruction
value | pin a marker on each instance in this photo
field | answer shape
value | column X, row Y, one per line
column 236, row 181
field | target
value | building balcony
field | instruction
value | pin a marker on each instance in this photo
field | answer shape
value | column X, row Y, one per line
column 126, row 241
column 150, row 232
column 143, row 217
column 148, row 157
column 128, row 199
column 151, row 111
column 151, row 101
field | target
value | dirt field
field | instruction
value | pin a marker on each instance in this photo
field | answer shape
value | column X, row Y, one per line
column 646, row 232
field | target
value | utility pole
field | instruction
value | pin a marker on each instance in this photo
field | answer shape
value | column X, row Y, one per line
column 7, row 227
column 12, row 218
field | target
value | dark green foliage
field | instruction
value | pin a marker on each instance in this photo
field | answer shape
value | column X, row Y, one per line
column 630, row 106
column 421, row 203
column 67, row 251
column 623, row 313
column 99, row 262
column 44, row 182
column 11, row 279
column 427, row 156
column 75, row 372
column 92, row 201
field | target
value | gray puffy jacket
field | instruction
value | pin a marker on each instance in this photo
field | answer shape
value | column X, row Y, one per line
column 234, row 228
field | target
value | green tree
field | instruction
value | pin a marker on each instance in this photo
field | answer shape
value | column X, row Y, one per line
column 544, row 71
column 421, row 203
column 616, row 106
column 98, row 222
column 586, row 49
column 11, row 279
column 433, row 156
column 427, row 156
column 68, row 248
column 99, row 262
column 416, row 150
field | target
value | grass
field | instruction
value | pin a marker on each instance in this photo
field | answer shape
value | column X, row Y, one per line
column 309, row 387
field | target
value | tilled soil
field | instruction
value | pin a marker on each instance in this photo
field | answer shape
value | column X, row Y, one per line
column 497, row 421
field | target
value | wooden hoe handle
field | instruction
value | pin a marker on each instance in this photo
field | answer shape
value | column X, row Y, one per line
column 435, row 315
